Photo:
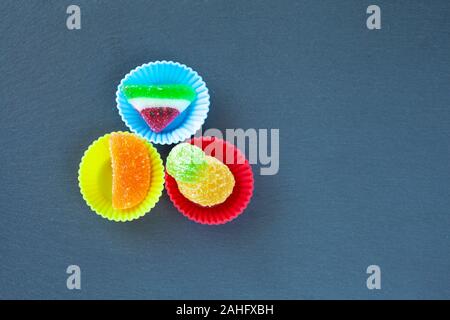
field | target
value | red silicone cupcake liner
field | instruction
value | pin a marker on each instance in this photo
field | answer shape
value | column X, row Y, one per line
column 235, row 203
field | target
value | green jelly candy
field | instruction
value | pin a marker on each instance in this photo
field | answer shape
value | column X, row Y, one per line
column 186, row 163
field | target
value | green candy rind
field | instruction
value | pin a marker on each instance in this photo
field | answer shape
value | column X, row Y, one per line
column 161, row 91
column 186, row 163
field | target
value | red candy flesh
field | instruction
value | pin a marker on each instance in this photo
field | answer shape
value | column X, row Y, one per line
column 159, row 118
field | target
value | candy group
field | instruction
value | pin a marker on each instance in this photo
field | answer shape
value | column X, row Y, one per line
column 121, row 175
column 131, row 170
column 202, row 179
column 160, row 104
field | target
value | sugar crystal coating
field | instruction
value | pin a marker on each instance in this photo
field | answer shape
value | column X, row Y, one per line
column 160, row 91
column 186, row 163
column 131, row 169
column 159, row 104
column 158, row 118
column 214, row 187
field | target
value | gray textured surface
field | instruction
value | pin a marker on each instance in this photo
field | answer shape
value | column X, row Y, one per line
column 364, row 122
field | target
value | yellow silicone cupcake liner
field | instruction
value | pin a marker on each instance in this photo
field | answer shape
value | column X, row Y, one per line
column 95, row 181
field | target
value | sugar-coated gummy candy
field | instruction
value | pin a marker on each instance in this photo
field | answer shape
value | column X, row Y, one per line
column 214, row 187
column 131, row 170
column 186, row 163
column 158, row 118
column 202, row 179
column 159, row 104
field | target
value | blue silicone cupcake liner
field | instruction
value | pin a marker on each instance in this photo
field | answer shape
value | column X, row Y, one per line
column 163, row 72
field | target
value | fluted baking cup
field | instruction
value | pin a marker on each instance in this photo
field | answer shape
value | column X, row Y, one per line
column 95, row 181
column 165, row 72
column 235, row 203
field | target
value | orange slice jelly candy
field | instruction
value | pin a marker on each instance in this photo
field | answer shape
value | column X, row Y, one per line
column 130, row 170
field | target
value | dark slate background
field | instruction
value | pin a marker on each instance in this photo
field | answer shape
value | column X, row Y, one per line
column 364, row 148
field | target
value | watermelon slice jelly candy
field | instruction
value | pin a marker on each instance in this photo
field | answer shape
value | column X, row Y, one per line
column 159, row 104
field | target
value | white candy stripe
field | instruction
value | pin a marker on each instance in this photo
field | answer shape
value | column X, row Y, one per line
column 141, row 103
